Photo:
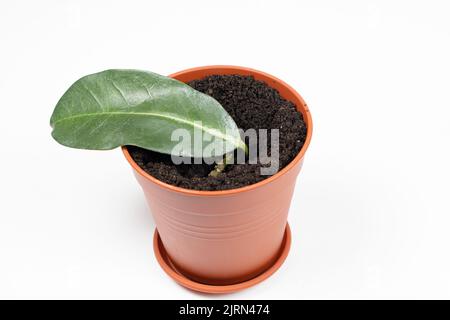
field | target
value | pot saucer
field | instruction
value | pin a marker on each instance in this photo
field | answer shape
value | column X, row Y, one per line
column 167, row 266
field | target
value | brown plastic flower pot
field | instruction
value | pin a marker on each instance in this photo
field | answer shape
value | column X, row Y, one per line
column 224, row 241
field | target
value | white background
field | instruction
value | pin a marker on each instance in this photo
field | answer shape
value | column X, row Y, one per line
column 371, row 211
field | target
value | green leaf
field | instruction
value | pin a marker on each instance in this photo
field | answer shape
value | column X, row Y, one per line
column 130, row 107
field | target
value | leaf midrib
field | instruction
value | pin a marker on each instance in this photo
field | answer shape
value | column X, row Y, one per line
column 213, row 132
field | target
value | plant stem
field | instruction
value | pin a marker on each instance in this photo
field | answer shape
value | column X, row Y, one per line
column 220, row 166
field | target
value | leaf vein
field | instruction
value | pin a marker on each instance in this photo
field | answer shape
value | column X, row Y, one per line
column 211, row 131
column 120, row 92
column 92, row 95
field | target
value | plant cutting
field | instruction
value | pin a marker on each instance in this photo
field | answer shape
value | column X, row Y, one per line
column 221, row 224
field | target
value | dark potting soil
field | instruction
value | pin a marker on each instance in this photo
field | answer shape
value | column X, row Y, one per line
column 252, row 104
